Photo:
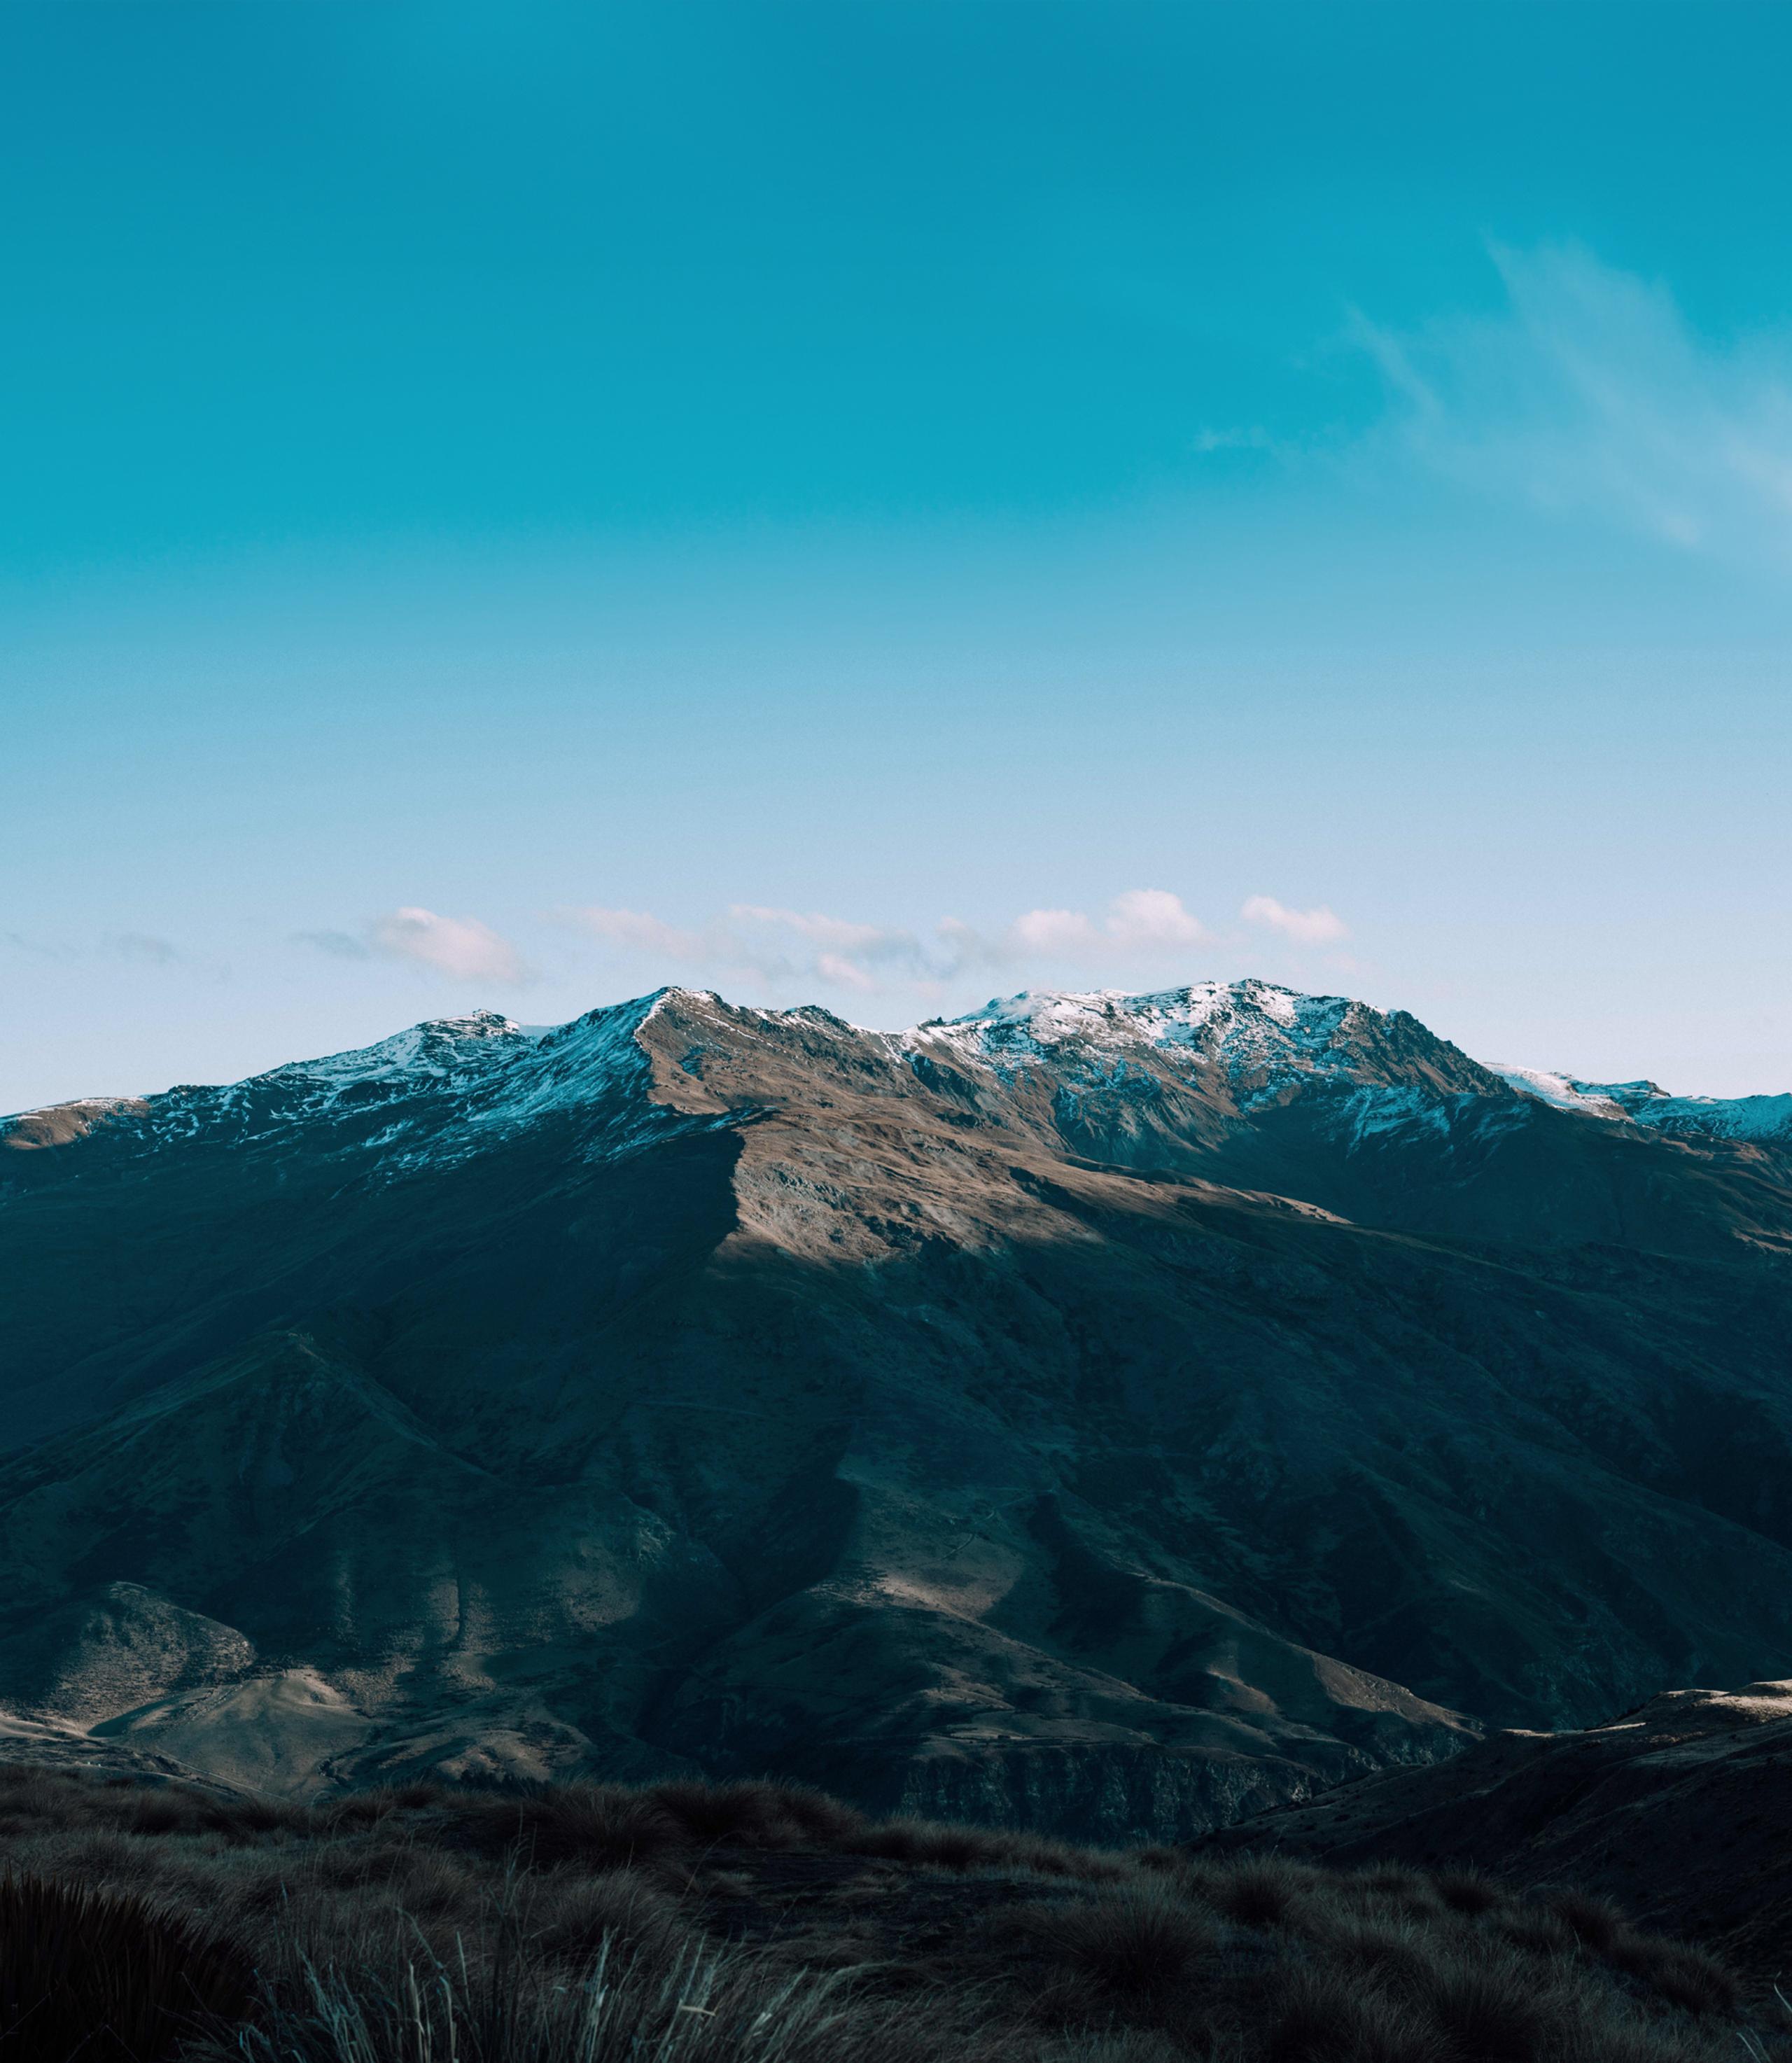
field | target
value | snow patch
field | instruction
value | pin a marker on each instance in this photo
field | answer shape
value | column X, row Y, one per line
column 1251, row 1030
column 1751, row 1118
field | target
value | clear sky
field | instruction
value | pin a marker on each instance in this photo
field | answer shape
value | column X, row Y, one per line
column 886, row 505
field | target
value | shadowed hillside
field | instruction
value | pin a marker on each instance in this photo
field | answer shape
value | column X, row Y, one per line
column 1682, row 1810
column 1105, row 1415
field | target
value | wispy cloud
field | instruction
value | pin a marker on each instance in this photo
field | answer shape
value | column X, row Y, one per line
column 147, row 951
column 339, row 945
column 1317, row 927
column 40, row 949
column 785, row 948
column 777, row 946
column 1589, row 391
column 460, row 947
column 638, row 929
column 143, row 949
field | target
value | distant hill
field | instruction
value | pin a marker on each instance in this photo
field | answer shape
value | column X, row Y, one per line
column 1680, row 1811
column 1108, row 1413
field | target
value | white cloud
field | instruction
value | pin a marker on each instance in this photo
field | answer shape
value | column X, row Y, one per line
column 458, row 946
column 837, row 940
column 1055, row 932
column 787, row 949
column 1317, row 927
column 823, row 930
column 1589, row 391
column 1141, row 918
column 1152, row 917
column 844, row 973
column 638, row 928
column 774, row 945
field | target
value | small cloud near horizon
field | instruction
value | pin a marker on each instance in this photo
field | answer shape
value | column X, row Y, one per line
column 462, row 948
column 1141, row 938
column 1317, row 927
column 786, row 948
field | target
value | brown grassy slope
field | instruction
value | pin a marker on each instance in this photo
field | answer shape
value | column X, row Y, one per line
column 1682, row 1811
column 757, row 1920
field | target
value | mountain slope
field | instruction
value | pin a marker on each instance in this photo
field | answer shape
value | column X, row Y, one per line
column 1679, row 1810
column 961, row 1417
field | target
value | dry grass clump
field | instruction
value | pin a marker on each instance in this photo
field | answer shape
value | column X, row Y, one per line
column 757, row 1815
column 766, row 1923
column 1319, row 2017
column 598, row 1827
column 1466, row 1890
column 1141, row 1937
column 703, row 2003
column 1263, row 1891
column 945, row 1844
column 108, row 1977
column 1684, row 1975
column 1289, row 1962
column 623, row 1914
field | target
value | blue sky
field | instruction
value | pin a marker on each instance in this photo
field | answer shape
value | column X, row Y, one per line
column 890, row 505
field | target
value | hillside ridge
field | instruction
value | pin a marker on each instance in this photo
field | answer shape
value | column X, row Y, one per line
column 1093, row 1412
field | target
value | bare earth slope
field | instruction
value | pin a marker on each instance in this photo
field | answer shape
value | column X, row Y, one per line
column 961, row 1419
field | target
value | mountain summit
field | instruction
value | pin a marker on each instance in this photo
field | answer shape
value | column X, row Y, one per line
column 1099, row 1411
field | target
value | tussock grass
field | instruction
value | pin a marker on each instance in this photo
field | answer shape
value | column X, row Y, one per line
column 703, row 2004
column 106, row 1975
column 763, row 1923
column 1139, row 1938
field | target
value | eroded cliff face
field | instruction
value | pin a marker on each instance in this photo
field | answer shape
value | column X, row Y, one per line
column 1092, row 1414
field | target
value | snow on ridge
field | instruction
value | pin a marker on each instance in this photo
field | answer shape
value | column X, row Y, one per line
column 1246, row 1024
column 428, row 1048
column 567, row 1061
column 1562, row 1090
column 1647, row 1104
column 1264, row 1037
column 1746, row 1117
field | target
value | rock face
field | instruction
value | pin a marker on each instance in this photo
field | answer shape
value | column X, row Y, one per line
column 1091, row 1412
column 1682, row 1810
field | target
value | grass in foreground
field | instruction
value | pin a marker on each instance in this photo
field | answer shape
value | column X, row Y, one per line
column 759, row 1923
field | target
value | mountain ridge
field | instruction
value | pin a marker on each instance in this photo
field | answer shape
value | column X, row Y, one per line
column 1092, row 1414
column 1255, row 1024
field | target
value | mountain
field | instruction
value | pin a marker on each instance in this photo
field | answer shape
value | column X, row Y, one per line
column 1764, row 1119
column 1101, row 1412
column 1679, row 1810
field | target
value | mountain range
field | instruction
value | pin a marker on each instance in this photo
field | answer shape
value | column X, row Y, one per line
column 1101, row 1413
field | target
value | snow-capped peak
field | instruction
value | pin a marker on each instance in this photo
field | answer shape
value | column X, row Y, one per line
column 440, row 1046
column 1174, row 1016
column 1751, row 1117
column 1263, row 1037
column 1258, row 1041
